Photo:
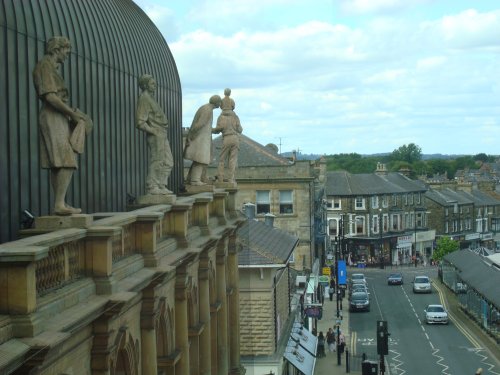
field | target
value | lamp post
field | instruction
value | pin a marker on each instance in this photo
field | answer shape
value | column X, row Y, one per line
column 380, row 241
column 338, row 248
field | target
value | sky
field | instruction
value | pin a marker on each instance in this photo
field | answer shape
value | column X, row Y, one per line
column 343, row 76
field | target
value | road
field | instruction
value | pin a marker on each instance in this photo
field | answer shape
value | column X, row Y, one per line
column 414, row 346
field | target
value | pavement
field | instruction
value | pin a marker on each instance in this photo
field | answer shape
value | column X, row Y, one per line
column 328, row 364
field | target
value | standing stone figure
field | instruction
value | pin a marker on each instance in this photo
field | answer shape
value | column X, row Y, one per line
column 151, row 119
column 227, row 102
column 61, row 127
column 229, row 125
column 199, row 141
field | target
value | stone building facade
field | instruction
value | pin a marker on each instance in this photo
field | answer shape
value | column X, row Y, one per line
column 469, row 216
column 150, row 291
column 266, row 312
column 377, row 217
column 288, row 189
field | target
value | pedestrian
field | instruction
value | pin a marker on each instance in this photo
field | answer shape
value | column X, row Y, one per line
column 321, row 345
column 332, row 289
column 341, row 342
column 330, row 340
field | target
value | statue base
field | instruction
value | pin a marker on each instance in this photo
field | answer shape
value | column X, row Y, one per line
column 51, row 223
column 153, row 199
column 225, row 184
column 194, row 189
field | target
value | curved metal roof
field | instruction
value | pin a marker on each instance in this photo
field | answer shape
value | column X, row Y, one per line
column 113, row 44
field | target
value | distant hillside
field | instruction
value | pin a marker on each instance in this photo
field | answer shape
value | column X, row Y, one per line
column 301, row 156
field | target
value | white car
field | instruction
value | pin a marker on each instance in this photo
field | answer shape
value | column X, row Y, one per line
column 422, row 284
column 357, row 278
column 436, row 314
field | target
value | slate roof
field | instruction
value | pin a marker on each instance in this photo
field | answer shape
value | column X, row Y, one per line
column 477, row 273
column 263, row 244
column 251, row 154
column 447, row 197
column 480, row 198
column 341, row 183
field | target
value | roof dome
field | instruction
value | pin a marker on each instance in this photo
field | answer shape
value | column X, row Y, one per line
column 113, row 43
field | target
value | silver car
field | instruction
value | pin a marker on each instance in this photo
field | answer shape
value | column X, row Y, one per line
column 422, row 284
column 436, row 314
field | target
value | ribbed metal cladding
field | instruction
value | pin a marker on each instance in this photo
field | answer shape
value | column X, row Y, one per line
column 113, row 44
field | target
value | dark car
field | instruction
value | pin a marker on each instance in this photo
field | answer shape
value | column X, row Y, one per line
column 360, row 301
column 395, row 279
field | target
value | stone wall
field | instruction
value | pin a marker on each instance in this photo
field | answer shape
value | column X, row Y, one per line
column 257, row 324
column 282, row 302
column 142, row 292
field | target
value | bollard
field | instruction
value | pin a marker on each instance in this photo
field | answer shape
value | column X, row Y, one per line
column 347, row 362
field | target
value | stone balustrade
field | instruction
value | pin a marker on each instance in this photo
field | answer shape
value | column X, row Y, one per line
column 36, row 265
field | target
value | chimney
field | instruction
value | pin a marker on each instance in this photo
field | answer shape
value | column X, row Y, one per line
column 381, row 169
column 269, row 220
column 249, row 209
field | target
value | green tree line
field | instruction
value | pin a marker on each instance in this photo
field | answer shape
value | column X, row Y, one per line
column 406, row 157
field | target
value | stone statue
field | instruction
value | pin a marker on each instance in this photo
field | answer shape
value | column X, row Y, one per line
column 227, row 102
column 62, row 128
column 199, row 141
column 229, row 125
column 151, row 119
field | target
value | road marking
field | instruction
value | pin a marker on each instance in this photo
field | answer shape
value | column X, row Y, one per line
column 353, row 342
column 439, row 362
column 396, row 366
column 455, row 321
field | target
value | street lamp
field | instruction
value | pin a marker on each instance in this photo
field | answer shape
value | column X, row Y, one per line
column 380, row 241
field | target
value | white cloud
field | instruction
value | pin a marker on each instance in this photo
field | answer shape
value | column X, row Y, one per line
column 378, row 84
column 470, row 29
column 386, row 76
column 430, row 62
column 377, row 6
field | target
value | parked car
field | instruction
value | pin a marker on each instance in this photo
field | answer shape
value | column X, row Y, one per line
column 357, row 278
column 395, row 279
column 422, row 284
column 359, row 301
column 460, row 288
column 436, row 314
column 358, row 288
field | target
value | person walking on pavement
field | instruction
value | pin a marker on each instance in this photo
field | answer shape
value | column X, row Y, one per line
column 330, row 340
column 332, row 289
column 321, row 345
column 341, row 342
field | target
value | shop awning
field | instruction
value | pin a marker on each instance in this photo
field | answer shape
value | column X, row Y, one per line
column 304, row 337
column 299, row 358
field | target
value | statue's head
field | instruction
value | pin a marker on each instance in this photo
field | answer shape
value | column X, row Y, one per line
column 227, row 92
column 215, row 100
column 57, row 43
column 144, row 81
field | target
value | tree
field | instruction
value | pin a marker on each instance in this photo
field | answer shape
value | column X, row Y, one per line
column 409, row 153
column 445, row 245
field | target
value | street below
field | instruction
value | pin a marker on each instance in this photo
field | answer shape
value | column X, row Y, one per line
column 416, row 347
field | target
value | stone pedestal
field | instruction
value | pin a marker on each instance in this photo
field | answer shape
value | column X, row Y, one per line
column 151, row 199
column 226, row 185
column 51, row 223
column 194, row 189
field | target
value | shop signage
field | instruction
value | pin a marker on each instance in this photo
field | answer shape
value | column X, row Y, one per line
column 313, row 312
column 324, row 280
